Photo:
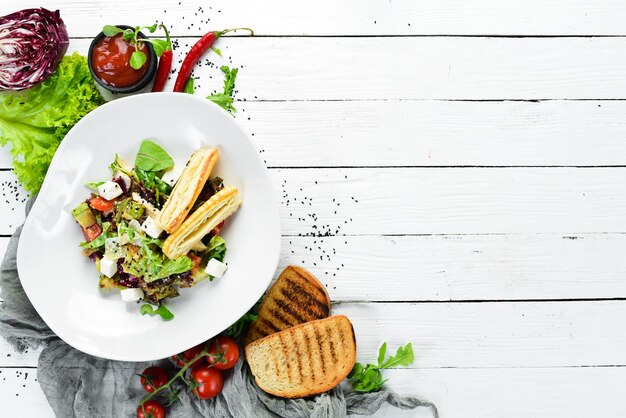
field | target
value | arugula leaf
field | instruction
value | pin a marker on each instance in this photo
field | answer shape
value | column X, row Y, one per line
column 153, row 265
column 225, row 99
column 151, row 181
column 381, row 353
column 162, row 311
column 151, row 157
column 119, row 164
column 368, row 378
column 404, row 357
column 94, row 184
column 175, row 266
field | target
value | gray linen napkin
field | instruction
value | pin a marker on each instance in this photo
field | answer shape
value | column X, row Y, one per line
column 79, row 385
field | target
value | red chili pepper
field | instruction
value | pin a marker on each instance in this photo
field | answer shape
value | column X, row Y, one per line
column 195, row 53
column 165, row 65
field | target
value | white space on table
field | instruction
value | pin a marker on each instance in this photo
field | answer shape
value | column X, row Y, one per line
column 474, row 152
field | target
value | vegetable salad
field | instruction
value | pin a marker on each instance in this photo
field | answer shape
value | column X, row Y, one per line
column 124, row 240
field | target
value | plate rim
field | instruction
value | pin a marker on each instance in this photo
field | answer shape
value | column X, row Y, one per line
column 26, row 226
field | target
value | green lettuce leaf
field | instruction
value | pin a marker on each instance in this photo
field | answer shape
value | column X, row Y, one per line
column 153, row 265
column 216, row 249
column 35, row 121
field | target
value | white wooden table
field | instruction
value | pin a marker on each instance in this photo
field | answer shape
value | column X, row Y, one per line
column 465, row 159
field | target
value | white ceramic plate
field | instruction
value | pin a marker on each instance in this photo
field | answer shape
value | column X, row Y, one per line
column 63, row 285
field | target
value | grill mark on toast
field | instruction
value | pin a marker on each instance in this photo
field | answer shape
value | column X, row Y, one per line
column 278, row 315
column 309, row 354
column 318, row 339
column 285, row 307
column 270, row 325
column 297, row 289
column 296, row 345
column 342, row 336
column 329, row 334
column 285, row 352
column 309, row 301
column 275, row 361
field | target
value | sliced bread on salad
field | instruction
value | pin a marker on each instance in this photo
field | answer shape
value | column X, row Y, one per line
column 188, row 188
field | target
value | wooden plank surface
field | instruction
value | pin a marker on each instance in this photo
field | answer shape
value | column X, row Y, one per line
column 433, row 133
column 430, row 234
column 481, row 335
column 437, row 133
column 437, row 68
column 374, row 201
column 349, row 17
column 460, row 267
column 484, row 393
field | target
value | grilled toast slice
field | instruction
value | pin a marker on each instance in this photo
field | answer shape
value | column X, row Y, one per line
column 304, row 360
column 295, row 298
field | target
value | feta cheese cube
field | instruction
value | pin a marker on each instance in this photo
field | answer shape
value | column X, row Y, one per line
column 131, row 295
column 134, row 224
column 109, row 190
column 124, row 177
column 151, row 227
column 172, row 176
column 108, row 267
column 215, row 268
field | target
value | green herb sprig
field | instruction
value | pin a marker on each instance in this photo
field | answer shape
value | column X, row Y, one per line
column 225, row 99
column 368, row 378
column 162, row 311
column 138, row 58
column 237, row 329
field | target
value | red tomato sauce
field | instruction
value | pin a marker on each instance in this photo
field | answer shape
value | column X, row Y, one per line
column 111, row 61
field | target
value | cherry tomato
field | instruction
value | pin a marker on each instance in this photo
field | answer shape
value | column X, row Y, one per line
column 189, row 355
column 229, row 350
column 101, row 204
column 92, row 232
column 152, row 378
column 151, row 409
column 209, row 379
